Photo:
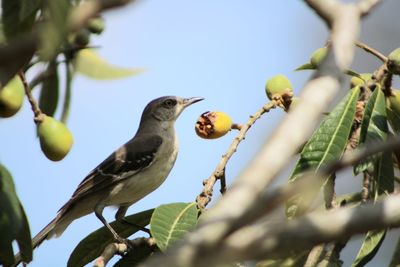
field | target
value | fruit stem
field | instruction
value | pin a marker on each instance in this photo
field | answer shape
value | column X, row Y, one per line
column 38, row 115
column 236, row 126
column 371, row 50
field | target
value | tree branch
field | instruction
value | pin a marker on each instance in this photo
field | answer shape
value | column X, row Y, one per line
column 219, row 173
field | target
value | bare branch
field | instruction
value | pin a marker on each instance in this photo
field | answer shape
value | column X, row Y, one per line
column 219, row 173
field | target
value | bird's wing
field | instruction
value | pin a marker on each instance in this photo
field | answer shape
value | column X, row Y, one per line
column 133, row 157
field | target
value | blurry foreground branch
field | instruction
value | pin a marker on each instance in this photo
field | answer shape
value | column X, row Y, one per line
column 202, row 246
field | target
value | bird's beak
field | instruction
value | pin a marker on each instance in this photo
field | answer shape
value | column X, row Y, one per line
column 188, row 101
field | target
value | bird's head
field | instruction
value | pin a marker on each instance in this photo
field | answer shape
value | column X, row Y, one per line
column 168, row 108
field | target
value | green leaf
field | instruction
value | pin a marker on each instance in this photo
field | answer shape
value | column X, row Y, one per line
column 13, row 24
column 171, row 221
column 93, row 245
column 49, row 93
column 372, row 242
column 13, row 222
column 134, row 257
column 326, row 144
column 374, row 128
column 90, row 64
column 307, row 66
column 24, row 239
column 54, row 31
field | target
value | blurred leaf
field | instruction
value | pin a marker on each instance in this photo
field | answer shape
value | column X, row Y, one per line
column 369, row 248
column 307, row 66
column 49, row 93
column 171, row 221
column 13, row 24
column 93, row 245
column 24, row 239
column 326, row 144
column 13, row 222
column 29, row 8
column 134, row 257
column 54, row 30
column 90, row 64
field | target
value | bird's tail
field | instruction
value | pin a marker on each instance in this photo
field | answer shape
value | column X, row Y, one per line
column 38, row 239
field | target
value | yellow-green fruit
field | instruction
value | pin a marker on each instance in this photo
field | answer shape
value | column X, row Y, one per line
column 211, row 125
column 317, row 56
column 364, row 77
column 11, row 97
column 55, row 138
column 394, row 61
column 278, row 85
column 393, row 110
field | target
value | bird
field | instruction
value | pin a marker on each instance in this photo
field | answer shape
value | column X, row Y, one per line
column 130, row 173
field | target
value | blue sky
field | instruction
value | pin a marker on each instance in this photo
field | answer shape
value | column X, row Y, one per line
column 221, row 50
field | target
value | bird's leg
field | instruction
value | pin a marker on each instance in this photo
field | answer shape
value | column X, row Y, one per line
column 120, row 217
column 98, row 210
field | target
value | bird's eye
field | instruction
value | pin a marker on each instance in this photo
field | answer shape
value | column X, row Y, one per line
column 169, row 103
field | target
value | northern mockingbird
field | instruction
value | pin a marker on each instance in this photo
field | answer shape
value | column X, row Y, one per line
column 130, row 173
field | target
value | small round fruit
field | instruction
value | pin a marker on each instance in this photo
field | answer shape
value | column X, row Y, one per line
column 96, row 25
column 394, row 61
column 11, row 97
column 55, row 138
column 364, row 77
column 278, row 85
column 211, row 125
column 82, row 37
column 317, row 56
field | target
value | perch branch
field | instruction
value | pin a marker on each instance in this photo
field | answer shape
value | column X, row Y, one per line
column 219, row 173
column 119, row 248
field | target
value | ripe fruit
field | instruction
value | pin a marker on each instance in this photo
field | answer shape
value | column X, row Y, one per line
column 364, row 77
column 11, row 97
column 278, row 86
column 96, row 25
column 211, row 125
column 394, row 61
column 55, row 138
column 317, row 56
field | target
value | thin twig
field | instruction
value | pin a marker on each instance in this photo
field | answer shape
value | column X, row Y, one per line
column 219, row 173
column 34, row 105
column 68, row 91
column 372, row 51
